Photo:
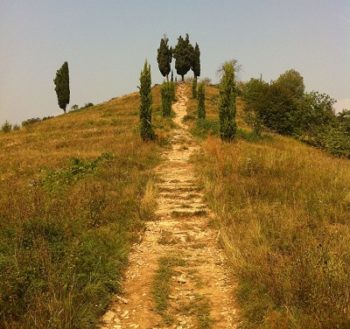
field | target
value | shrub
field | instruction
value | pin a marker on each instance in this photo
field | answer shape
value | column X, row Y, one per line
column 256, row 100
column 146, row 129
column 227, row 106
column 201, row 101
column 167, row 98
column 74, row 107
column 30, row 121
column 194, row 88
column 87, row 105
column 47, row 118
column 6, row 127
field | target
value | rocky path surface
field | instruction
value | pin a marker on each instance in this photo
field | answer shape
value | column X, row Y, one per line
column 177, row 276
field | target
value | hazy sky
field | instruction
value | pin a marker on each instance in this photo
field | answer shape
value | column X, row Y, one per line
column 106, row 42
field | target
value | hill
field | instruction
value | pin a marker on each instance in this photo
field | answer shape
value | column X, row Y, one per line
column 71, row 201
column 76, row 190
column 283, row 212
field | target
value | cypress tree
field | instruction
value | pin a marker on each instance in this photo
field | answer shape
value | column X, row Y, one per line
column 173, row 90
column 62, row 86
column 167, row 98
column 194, row 87
column 201, row 101
column 196, row 68
column 146, row 130
column 183, row 54
column 196, row 61
column 164, row 57
column 227, row 105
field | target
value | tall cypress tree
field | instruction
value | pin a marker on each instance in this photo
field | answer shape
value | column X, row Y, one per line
column 164, row 57
column 196, row 68
column 201, row 100
column 194, row 88
column 146, row 130
column 183, row 54
column 62, row 86
column 196, row 61
column 227, row 107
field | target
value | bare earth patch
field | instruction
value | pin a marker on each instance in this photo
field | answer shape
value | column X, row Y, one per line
column 177, row 276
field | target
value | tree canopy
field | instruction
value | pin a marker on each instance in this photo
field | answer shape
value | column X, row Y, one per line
column 183, row 54
column 62, row 86
column 196, row 63
column 164, row 57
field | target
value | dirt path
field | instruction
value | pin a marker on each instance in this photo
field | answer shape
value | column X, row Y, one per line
column 176, row 277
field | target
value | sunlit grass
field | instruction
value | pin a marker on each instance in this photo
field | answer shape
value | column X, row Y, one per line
column 283, row 212
column 74, row 191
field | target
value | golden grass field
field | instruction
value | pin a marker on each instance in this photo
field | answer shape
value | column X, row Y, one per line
column 283, row 210
column 72, row 198
column 75, row 190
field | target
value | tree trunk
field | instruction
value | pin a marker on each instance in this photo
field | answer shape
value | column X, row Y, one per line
column 182, row 77
column 167, row 78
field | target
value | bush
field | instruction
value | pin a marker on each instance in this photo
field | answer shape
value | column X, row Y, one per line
column 194, row 88
column 6, row 127
column 146, row 129
column 284, row 107
column 30, row 121
column 167, row 98
column 227, row 106
column 201, row 101
column 87, row 105
column 74, row 107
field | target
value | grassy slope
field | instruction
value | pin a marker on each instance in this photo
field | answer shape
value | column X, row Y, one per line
column 71, row 201
column 283, row 209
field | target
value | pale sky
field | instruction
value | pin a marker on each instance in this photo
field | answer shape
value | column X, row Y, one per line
column 106, row 42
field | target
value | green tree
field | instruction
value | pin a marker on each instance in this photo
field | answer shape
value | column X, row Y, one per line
column 183, row 54
column 317, row 110
column 227, row 105
column 164, row 57
column 62, row 86
column 146, row 130
column 285, row 111
column 201, row 100
column 6, row 127
column 194, row 88
column 256, row 101
column 196, row 68
column 167, row 98
column 196, row 61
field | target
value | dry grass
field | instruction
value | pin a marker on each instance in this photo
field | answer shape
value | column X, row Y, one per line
column 72, row 198
column 283, row 211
